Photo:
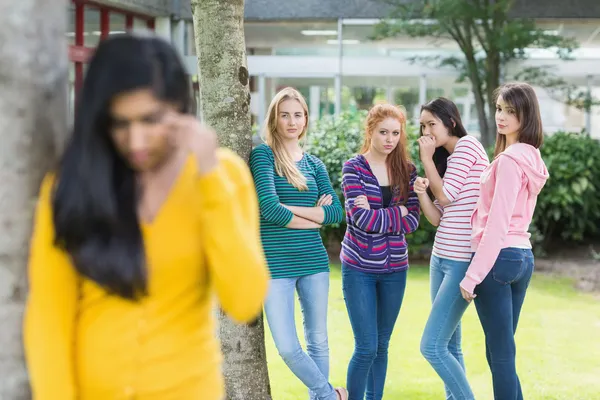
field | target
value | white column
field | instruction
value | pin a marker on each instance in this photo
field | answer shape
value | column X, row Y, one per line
column 389, row 91
column 338, row 77
column 422, row 97
column 314, row 103
column 273, row 88
column 178, row 37
column 162, row 27
column 338, row 95
column 422, row 89
column 588, row 113
column 262, row 91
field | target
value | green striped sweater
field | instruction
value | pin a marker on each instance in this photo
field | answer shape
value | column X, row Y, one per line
column 291, row 252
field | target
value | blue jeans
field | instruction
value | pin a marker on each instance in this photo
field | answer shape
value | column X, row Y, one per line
column 499, row 300
column 440, row 343
column 373, row 302
column 312, row 368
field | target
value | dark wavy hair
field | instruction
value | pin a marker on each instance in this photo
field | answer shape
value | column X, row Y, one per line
column 447, row 112
column 96, row 193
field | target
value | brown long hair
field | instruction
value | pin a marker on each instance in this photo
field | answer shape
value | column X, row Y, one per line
column 397, row 162
column 521, row 97
column 284, row 164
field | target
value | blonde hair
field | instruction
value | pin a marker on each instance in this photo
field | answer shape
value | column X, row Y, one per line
column 284, row 163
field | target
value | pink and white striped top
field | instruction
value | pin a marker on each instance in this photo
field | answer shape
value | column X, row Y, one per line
column 461, row 187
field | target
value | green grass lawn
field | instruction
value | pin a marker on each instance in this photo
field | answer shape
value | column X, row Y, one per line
column 558, row 345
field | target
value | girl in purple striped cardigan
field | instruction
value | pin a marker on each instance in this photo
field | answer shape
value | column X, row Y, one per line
column 381, row 208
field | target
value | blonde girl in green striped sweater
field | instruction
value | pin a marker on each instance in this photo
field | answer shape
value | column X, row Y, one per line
column 296, row 199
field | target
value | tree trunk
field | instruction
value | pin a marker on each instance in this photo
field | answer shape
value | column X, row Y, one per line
column 480, row 103
column 493, row 81
column 225, row 104
column 492, row 129
column 33, row 84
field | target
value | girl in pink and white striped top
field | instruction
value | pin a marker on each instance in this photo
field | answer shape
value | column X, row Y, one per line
column 453, row 163
column 460, row 189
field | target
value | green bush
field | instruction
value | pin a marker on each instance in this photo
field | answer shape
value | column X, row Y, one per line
column 568, row 207
column 334, row 141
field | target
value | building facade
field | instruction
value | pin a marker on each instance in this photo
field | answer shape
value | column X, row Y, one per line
column 324, row 49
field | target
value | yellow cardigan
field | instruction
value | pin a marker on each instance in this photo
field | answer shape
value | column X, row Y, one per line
column 82, row 343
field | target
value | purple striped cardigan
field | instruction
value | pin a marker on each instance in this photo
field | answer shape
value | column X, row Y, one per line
column 375, row 239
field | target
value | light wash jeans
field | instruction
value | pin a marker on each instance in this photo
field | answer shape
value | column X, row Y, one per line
column 440, row 343
column 312, row 368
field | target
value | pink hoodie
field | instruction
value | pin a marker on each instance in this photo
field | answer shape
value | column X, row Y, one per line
column 509, row 190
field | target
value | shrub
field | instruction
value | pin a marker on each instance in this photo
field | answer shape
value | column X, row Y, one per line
column 568, row 207
column 333, row 141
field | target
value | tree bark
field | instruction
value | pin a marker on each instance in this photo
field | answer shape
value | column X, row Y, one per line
column 224, row 105
column 482, row 116
column 223, row 73
column 493, row 81
column 480, row 100
column 33, row 113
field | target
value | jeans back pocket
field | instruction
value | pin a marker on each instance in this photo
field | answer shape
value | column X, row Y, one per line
column 510, row 265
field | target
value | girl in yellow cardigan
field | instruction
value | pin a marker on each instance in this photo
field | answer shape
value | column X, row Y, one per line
column 141, row 222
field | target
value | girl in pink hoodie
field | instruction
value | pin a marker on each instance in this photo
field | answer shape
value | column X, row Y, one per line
column 502, row 265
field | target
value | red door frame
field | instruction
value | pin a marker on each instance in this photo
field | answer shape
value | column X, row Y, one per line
column 79, row 54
